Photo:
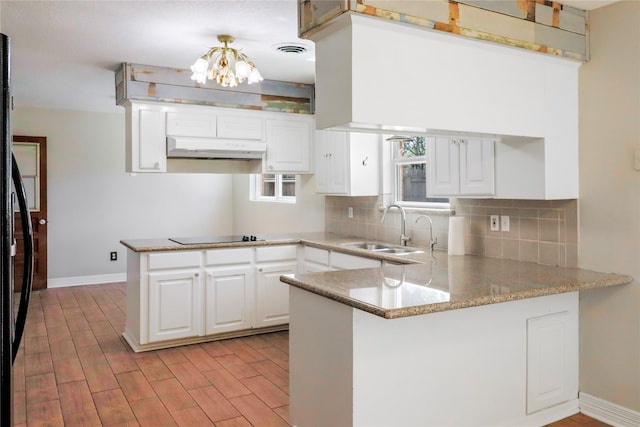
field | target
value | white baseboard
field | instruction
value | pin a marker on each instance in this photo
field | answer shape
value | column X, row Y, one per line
column 607, row 412
column 63, row 282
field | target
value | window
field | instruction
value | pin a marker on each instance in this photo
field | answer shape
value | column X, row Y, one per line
column 274, row 187
column 409, row 162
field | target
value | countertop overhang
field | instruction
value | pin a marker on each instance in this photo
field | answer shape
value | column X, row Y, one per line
column 419, row 283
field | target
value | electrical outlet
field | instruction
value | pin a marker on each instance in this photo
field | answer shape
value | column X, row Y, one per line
column 494, row 220
column 504, row 222
column 113, row 256
column 349, row 212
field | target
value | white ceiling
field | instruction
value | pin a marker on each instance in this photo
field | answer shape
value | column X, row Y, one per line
column 64, row 53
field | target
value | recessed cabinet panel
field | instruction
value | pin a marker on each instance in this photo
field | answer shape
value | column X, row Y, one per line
column 190, row 124
column 236, row 127
column 229, row 256
column 228, row 299
column 173, row 309
column 174, row 259
column 272, row 296
column 152, row 149
column 476, row 166
column 551, row 356
column 276, row 253
column 460, row 167
column 444, row 170
column 288, row 145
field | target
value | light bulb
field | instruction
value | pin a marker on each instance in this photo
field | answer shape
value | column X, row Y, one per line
column 243, row 70
column 255, row 76
column 200, row 66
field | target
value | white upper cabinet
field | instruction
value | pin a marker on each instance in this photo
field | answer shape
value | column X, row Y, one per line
column 215, row 124
column 347, row 163
column 191, row 124
column 237, row 127
column 460, row 167
column 289, row 142
column 146, row 149
column 454, row 86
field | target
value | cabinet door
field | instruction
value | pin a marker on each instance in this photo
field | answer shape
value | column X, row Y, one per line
column 237, row 127
column 363, row 165
column 149, row 143
column 288, row 146
column 331, row 162
column 444, row 167
column 191, row 124
column 552, row 355
column 477, row 167
column 272, row 296
column 228, row 299
column 173, row 304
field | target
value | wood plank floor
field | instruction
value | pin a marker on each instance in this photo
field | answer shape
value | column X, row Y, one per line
column 74, row 369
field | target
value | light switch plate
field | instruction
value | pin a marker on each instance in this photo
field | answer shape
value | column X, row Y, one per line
column 636, row 160
column 504, row 222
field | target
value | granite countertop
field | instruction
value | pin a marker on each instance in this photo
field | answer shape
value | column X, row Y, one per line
column 421, row 283
column 447, row 283
column 320, row 240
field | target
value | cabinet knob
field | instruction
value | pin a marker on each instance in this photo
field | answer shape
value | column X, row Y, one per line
column 271, row 167
column 196, row 274
column 42, row 221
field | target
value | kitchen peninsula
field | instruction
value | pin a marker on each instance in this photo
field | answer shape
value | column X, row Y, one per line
column 412, row 339
column 461, row 340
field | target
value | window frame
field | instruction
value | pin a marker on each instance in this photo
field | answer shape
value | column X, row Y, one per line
column 396, row 163
column 256, row 182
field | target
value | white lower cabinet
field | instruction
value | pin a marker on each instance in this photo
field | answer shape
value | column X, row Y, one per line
column 176, row 297
column 228, row 299
column 272, row 296
column 174, row 304
column 552, row 352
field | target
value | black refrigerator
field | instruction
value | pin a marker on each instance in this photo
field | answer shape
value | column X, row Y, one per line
column 14, row 199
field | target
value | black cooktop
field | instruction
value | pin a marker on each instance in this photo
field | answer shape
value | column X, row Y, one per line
column 204, row 240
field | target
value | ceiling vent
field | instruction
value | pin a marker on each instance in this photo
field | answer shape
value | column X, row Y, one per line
column 290, row 48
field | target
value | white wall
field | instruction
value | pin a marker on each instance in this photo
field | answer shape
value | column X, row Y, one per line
column 259, row 217
column 609, row 205
column 93, row 203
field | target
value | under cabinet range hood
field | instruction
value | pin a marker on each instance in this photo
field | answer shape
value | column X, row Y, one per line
column 214, row 148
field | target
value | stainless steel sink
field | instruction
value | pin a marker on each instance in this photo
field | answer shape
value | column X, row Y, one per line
column 383, row 248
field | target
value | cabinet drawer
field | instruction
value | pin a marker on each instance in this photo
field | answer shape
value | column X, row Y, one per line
column 350, row 262
column 229, row 256
column 237, row 127
column 175, row 259
column 319, row 256
column 182, row 124
column 276, row 253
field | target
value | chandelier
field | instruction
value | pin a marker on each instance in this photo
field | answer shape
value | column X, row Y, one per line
column 226, row 65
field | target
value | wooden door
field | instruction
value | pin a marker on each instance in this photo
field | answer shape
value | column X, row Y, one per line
column 31, row 155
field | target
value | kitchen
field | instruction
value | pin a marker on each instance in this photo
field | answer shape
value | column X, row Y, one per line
column 114, row 213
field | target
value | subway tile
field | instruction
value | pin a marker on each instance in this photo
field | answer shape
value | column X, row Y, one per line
column 528, row 228
column 528, row 251
column 572, row 255
column 493, row 247
column 529, row 213
column 548, row 230
column 511, row 249
column 548, row 253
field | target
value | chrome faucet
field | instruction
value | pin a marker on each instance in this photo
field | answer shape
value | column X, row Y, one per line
column 403, row 227
column 432, row 241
